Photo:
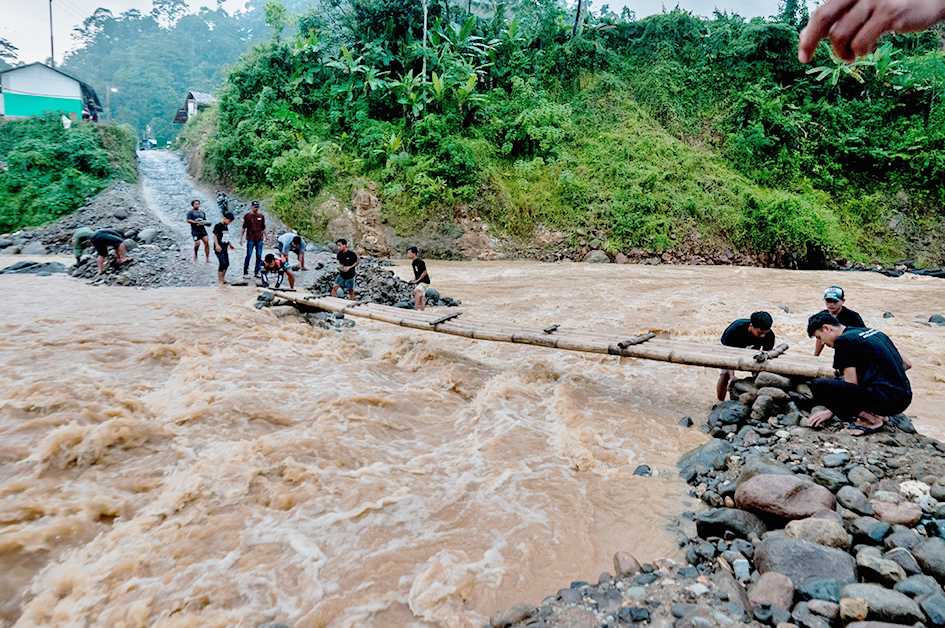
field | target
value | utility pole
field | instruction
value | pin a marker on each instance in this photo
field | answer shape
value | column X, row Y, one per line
column 52, row 41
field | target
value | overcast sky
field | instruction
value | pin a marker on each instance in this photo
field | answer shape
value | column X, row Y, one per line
column 26, row 22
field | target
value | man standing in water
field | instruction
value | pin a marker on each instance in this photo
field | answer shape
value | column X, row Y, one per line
column 222, row 245
column 874, row 383
column 347, row 263
column 197, row 219
column 745, row 333
column 421, row 278
column 834, row 303
column 253, row 233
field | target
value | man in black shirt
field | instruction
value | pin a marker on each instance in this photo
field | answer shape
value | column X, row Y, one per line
column 745, row 333
column 102, row 240
column 347, row 262
column 874, row 384
column 421, row 278
column 834, row 300
column 197, row 219
column 222, row 245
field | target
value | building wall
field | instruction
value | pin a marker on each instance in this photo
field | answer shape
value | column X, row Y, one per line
column 35, row 90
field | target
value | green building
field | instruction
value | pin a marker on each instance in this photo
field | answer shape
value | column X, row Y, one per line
column 35, row 89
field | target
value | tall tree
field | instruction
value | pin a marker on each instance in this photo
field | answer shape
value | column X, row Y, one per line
column 7, row 53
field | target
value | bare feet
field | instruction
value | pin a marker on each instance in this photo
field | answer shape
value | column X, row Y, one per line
column 816, row 421
column 870, row 421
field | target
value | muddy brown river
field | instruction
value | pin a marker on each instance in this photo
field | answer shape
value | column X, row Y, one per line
column 175, row 457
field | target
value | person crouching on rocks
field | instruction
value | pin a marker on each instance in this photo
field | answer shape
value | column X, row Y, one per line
column 222, row 245
column 102, row 240
column 347, row 264
column 834, row 302
column 421, row 278
column 745, row 333
column 874, row 384
column 278, row 267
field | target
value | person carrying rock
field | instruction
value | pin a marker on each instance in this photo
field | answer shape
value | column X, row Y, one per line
column 347, row 265
column 874, row 384
column 278, row 266
column 222, row 245
column 197, row 219
column 421, row 278
column 745, row 333
column 834, row 300
column 292, row 242
column 102, row 240
column 253, row 233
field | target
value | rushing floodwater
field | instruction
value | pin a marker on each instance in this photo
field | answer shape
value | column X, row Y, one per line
column 175, row 457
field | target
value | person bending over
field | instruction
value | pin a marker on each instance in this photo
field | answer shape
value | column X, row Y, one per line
column 421, row 278
column 81, row 239
column 834, row 300
column 745, row 333
column 273, row 265
column 197, row 219
column 874, row 384
column 222, row 245
column 292, row 242
column 102, row 240
column 347, row 265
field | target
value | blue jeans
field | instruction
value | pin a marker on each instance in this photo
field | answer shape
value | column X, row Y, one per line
column 253, row 245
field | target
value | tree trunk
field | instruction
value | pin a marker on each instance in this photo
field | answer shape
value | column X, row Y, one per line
column 425, row 40
column 577, row 19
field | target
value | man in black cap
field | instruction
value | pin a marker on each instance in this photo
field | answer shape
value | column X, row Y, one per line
column 834, row 302
column 874, row 384
column 745, row 333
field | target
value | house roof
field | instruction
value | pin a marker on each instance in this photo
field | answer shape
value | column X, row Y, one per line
column 202, row 98
column 88, row 92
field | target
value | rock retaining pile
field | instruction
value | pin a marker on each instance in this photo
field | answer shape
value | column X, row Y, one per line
column 806, row 528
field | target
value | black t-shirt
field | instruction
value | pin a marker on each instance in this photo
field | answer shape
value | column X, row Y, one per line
column 420, row 267
column 348, row 258
column 877, row 361
column 197, row 214
column 737, row 335
column 222, row 235
column 849, row 318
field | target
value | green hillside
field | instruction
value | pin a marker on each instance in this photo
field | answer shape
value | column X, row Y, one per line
column 671, row 133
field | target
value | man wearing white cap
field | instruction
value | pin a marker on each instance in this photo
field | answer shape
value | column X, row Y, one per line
column 834, row 300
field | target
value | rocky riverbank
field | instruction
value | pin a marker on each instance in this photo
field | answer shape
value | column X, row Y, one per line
column 803, row 528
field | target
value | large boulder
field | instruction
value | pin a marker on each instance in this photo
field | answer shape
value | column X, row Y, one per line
column 903, row 513
column 597, row 257
column 802, row 561
column 727, row 413
column 885, row 604
column 147, row 235
column 783, row 496
column 718, row 521
column 711, row 456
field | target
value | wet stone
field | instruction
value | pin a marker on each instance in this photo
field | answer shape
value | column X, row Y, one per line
column 869, row 530
column 930, row 555
column 643, row 471
column 773, row 589
column 804, row 618
column 802, row 561
column 875, row 568
column 633, row 614
column 905, row 538
column 884, row 604
column 861, row 477
column 829, row 610
column 718, row 521
column 836, row 459
column 904, row 559
column 832, row 479
column 853, row 499
column 934, row 608
column 826, row 589
column 918, row 586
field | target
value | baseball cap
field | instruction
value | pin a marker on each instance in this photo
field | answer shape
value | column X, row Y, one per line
column 255, row 203
column 833, row 293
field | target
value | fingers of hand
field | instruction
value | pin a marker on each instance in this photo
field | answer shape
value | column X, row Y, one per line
column 845, row 29
column 865, row 40
column 820, row 23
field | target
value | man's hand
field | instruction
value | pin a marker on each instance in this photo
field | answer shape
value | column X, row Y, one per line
column 854, row 26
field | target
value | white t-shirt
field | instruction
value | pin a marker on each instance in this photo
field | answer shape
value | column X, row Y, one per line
column 285, row 241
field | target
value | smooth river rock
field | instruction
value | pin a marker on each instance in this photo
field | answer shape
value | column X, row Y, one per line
column 931, row 557
column 802, row 561
column 772, row 588
column 821, row 531
column 875, row 568
column 718, row 521
column 885, row 604
column 783, row 496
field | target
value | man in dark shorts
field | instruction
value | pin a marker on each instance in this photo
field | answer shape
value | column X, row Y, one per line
column 273, row 265
column 102, row 240
column 222, row 245
column 421, row 278
column 197, row 219
column 745, row 333
column 253, row 232
column 347, row 264
column 834, row 302
column 874, row 384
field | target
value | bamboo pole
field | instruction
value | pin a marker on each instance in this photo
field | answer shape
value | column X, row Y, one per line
column 658, row 349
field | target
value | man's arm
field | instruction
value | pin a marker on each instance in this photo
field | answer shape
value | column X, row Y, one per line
column 819, row 348
column 243, row 231
column 854, row 26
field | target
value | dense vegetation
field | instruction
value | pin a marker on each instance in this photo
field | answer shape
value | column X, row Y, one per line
column 643, row 133
column 152, row 59
column 47, row 171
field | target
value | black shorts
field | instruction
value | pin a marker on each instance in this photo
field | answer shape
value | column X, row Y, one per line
column 198, row 232
column 223, row 257
column 103, row 241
